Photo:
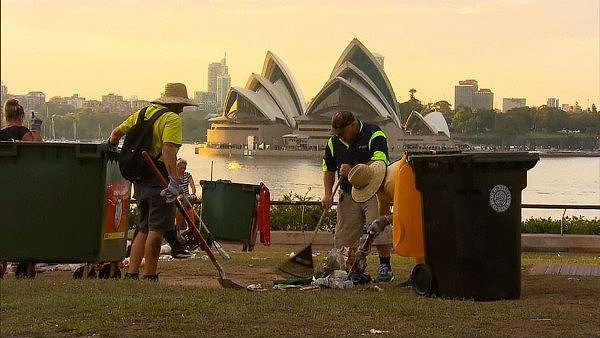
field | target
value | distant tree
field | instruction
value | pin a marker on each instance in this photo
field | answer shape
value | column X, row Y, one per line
column 549, row 119
column 594, row 110
column 58, row 109
column 443, row 106
column 484, row 120
column 522, row 118
column 506, row 124
column 412, row 92
column 463, row 121
column 405, row 108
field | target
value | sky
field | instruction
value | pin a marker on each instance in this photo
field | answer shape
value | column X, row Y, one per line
column 517, row 48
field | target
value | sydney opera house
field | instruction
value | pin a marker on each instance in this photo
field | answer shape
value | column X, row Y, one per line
column 270, row 112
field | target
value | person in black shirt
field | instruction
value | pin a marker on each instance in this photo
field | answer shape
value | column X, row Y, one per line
column 355, row 142
column 14, row 130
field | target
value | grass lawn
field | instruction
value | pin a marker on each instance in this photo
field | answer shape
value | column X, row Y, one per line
column 189, row 302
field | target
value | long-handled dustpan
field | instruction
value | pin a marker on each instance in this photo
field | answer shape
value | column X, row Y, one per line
column 301, row 264
column 225, row 282
column 217, row 245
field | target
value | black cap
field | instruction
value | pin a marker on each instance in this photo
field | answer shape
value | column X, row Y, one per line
column 341, row 120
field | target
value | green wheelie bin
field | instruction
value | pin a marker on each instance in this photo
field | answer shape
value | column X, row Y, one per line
column 471, row 224
column 62, row 203
column 229, row 211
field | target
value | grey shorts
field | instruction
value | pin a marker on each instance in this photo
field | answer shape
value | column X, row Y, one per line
column 155, row 213
column 353, row 217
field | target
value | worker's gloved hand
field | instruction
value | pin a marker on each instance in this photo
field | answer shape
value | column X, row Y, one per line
column 36, row 124
column 111, row 146
column 173, row 190
column 378, row 225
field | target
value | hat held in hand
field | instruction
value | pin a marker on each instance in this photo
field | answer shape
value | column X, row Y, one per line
column 366, row 180
column 175, row 93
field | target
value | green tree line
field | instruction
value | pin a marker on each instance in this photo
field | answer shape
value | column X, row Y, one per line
column 69, row 123
column 526, row 126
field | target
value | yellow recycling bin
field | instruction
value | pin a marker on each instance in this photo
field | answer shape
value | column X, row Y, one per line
column 408, row 216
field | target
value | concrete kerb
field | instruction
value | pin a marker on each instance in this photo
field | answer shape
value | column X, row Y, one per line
column 297, row 240
column 560, row 243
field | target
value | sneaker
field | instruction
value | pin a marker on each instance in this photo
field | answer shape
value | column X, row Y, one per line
column 384, row 274
column 181, row 254
column 406, row 284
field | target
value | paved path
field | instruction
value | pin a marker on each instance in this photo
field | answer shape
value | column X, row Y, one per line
column 565, row 270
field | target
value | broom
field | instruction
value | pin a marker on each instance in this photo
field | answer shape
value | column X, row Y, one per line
column 301, row 264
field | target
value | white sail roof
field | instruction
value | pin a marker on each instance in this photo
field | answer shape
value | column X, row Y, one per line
column 275, row 94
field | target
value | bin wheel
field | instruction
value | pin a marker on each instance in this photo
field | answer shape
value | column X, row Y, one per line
column 423, row 283
column 104, row 271
column 78, row 273
column 22, row 270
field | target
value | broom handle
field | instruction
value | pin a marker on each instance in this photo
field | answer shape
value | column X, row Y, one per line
column 337, row 184
column 190, row 223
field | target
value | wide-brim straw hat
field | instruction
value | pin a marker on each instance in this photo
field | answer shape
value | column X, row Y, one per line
column 366, row 180
column 175, row 93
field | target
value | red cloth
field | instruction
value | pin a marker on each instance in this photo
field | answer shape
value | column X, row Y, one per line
column 264, row 215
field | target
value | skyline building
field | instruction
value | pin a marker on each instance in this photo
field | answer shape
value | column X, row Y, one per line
column 483, row 99
column 509, row 103
column 33, row 101
column 216, row 69
column 553, row 102
column 463, row 93
column 223, row 84
column 207, row 101
column 468, row 94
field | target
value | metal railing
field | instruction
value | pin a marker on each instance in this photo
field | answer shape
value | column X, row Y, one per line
column 563, row 207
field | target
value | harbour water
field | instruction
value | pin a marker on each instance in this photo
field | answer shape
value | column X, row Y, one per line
column 554, row 180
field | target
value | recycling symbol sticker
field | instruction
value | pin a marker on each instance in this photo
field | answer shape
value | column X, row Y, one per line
column 500, row 198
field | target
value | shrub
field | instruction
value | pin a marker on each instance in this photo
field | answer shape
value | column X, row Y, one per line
column 571, row 225
column 298, row 218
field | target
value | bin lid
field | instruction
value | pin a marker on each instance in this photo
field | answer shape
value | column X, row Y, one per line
column 207, row 184
column 527, row 159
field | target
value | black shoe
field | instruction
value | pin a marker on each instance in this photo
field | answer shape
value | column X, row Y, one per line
column 131, row 275
column 151, row 278
column 406, row 284
column 181, row 254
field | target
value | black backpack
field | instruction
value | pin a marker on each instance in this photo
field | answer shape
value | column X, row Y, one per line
column 139, row 138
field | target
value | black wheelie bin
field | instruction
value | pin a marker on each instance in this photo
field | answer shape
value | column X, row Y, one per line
column 471, row 224
column 62, row 203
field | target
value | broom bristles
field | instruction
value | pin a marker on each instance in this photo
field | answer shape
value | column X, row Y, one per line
column 299, row 265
